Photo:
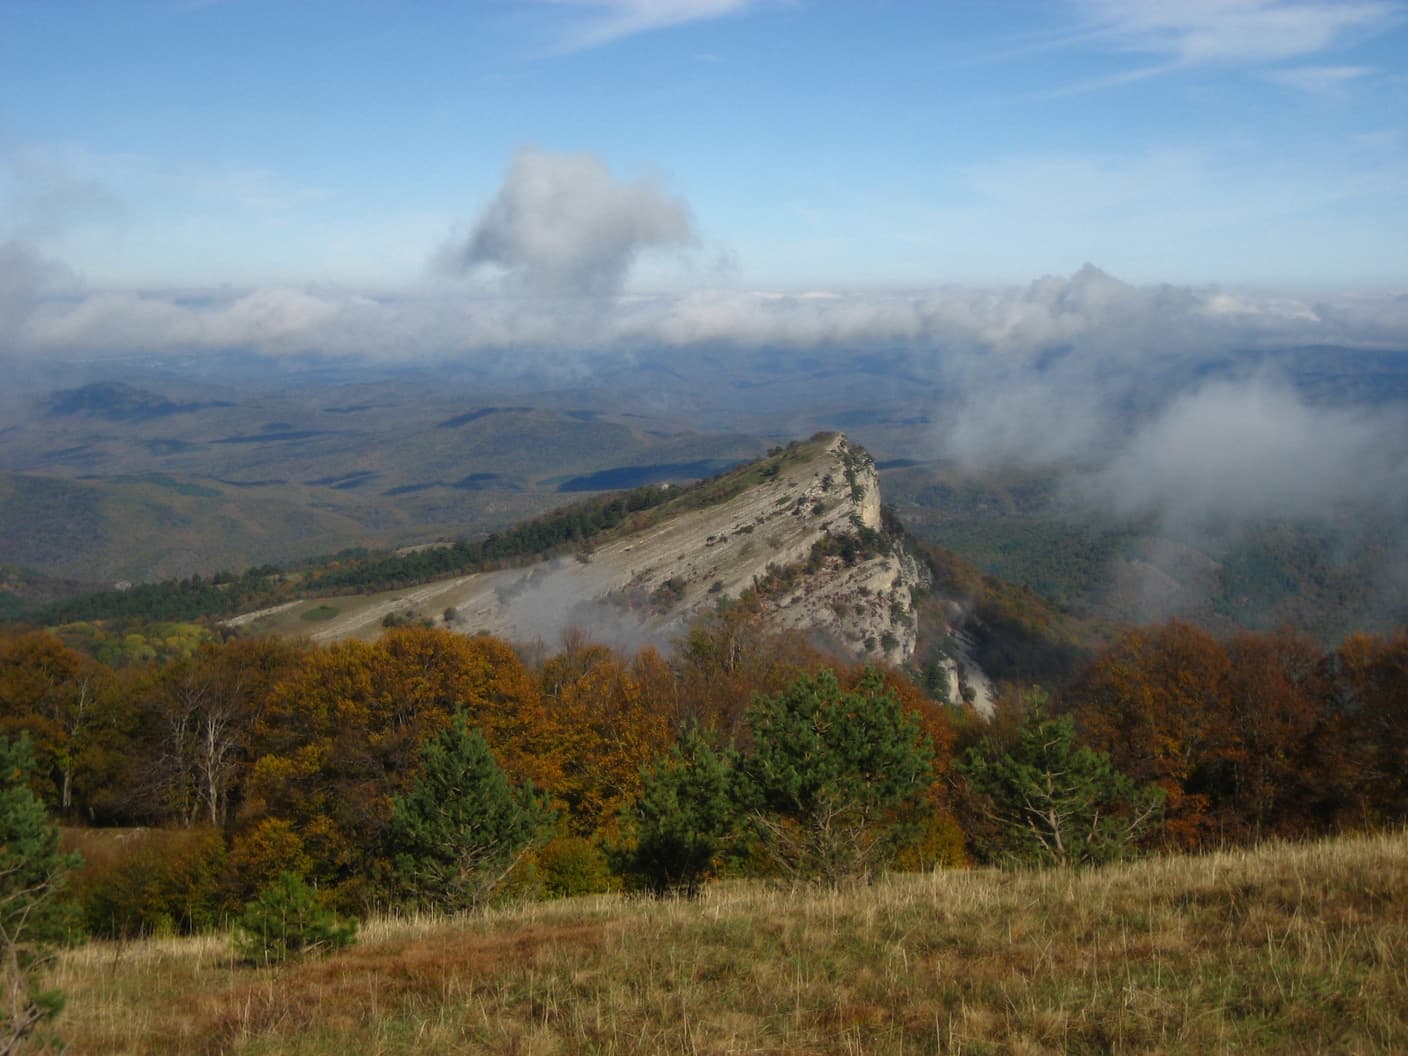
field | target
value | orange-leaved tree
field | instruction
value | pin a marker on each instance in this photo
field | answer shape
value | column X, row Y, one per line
column 1370, row 678
column 608, row 728
column 342, row 735
column 1157, row 701
column 61, row 699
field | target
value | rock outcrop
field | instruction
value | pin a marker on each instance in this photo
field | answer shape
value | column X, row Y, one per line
column 804, row 529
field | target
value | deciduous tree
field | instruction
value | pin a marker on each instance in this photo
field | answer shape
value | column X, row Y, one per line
column 1157, row 701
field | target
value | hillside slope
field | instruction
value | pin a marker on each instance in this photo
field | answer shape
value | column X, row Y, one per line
column 1280, row 949
column 803, row 528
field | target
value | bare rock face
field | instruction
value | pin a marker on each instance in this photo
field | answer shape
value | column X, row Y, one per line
column 774, row 538
column 804, row 530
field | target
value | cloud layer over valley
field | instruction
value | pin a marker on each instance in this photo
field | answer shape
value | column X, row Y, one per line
column 1171, row 399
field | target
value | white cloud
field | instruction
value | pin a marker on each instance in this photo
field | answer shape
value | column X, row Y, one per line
column 1243, row 449
column 978, row 337
column 1192, row 33
column 1167, row 399
column 42, row 194
column 610, row 20
column 1319, row 80
column 563, row 226
column 1237, row 31
column 1159, row 393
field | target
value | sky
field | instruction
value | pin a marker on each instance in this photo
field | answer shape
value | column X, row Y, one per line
column 608, row 148
column 1058, row 210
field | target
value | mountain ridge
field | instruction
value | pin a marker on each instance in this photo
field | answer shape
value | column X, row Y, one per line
column 804, row 530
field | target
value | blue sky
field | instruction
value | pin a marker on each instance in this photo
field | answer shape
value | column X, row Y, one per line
column 791, row 144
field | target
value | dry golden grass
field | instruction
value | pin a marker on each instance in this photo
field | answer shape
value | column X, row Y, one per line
column 1282, row 949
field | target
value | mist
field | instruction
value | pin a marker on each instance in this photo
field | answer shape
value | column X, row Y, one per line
column 563, row 594
column 1241, row 450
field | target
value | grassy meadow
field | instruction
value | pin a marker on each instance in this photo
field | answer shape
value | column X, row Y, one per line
column 1285, row 948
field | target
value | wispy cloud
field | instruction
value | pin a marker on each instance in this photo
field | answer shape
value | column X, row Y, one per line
column 1197, row 33
column 41, row 193
column 1238, row 31
column 1331, row 81
column 605, row 21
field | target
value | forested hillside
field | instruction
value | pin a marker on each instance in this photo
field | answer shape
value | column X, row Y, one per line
column 254, row 755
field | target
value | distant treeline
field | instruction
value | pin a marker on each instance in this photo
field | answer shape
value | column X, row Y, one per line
column 225, row 593
column 363, row 571
column 193, row 598
column 555, row 532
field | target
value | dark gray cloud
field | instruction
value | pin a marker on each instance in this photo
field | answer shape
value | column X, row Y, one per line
column 563, row 226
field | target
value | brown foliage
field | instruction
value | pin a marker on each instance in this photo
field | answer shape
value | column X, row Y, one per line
column 341, row 737
column 61, row 698
column 1157, row 701
column 606, row 729
column 198, row 718
column 1370, row 678
column 732, row 655
column 1260, row 736
column 1284, row 766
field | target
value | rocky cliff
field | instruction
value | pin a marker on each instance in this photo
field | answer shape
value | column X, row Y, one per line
column 803, row 528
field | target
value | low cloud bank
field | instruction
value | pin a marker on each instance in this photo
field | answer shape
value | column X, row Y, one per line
column 1089, row 318
column 1170, row 399
column 1239, row 450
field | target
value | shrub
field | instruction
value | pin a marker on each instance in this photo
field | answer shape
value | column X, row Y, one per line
column 573, row 865
column 287, row 920
column 151, row 881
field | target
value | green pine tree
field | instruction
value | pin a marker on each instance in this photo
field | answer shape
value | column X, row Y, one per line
column 685, row 816
column 1053, row 803
column 835, row 779
column 462, row 826
column 32, row 875
column 287, row 920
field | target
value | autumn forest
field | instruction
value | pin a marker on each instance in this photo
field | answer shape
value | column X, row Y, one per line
column 191, row 784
